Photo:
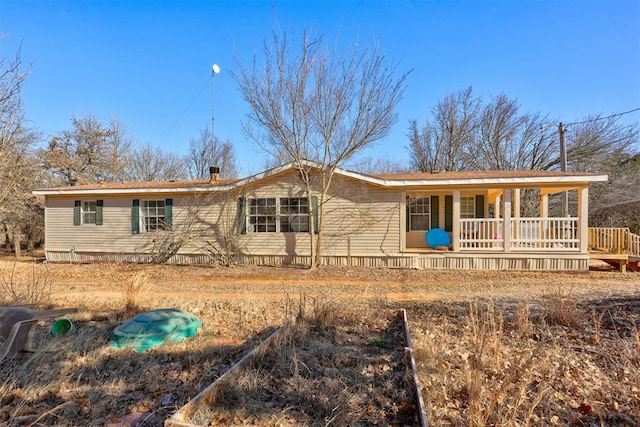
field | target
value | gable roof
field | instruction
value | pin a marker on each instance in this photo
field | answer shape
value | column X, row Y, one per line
column 395, row 180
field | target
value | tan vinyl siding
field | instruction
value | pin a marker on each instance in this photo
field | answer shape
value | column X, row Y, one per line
column 365, row 222
column 114, row 235
column 359, row 219
column 416, row 239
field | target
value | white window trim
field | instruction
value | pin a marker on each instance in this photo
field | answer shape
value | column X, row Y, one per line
column 472, row 213
column 84, row 211
column 142, row 215
column 278, row 215
column 428, row 214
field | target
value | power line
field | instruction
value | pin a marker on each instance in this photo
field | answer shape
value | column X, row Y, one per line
column 185, row 111
column 604, row 118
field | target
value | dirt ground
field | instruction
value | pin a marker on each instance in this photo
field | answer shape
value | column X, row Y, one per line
column 493, row 348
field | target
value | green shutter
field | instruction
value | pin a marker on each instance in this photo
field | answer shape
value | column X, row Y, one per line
column 435, row 210
column 168, row 213
column 242, row 216
column 479, row 206
column 316, row 213
column 448, row 213
column 99, row 205
column 77, row 212
column 135, row 217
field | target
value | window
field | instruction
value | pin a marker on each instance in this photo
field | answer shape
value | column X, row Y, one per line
column 278, row 215
column 263, row 215
column 87, row 212
column 294, row 215
column 151, row 215
column 467, row 206
column 419, row 213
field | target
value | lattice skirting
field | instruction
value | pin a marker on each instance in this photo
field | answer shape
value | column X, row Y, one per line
column 475, row 261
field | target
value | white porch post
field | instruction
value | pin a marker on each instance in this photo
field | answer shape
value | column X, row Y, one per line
column 506, row 225
column 498, row 207
column 583, row 219
column 456, row 221
column 516, row 202
column 544, row 205
column 403, row 221
column 516, row 208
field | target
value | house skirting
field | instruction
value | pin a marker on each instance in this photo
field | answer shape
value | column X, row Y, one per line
column 448, row 260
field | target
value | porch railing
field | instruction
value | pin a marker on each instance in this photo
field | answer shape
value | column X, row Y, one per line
column 616, row 240
column 481, row 233
column 557, row 234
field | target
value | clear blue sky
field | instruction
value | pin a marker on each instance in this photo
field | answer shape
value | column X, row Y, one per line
column 148, row 63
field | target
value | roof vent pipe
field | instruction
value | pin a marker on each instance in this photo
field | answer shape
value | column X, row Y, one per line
column 214, row 174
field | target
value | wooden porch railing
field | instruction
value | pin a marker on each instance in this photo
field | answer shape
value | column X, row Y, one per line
column 557, row 234
column 614, row 240
column 481, row 233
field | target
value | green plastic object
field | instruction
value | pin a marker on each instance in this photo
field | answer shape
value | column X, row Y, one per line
column 62, row 326
column 153, row 328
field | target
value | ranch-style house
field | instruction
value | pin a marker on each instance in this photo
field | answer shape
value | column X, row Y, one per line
column 365, row 220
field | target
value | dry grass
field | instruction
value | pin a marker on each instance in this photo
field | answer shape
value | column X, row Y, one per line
column 493, row 348
column 561, row 308
column 133, row 291
column 500, row 369
column 319, row 371
column 22, row 285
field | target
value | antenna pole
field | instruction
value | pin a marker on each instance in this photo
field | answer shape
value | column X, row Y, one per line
column 213, row 105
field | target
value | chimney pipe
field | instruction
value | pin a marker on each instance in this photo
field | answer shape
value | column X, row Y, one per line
column 214, row 174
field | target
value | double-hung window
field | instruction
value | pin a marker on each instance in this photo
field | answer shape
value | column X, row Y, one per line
column 467, row 206
column 278, row 215
column 87, row 212
column 419, row 213
column 153, row 215
column 148, row 216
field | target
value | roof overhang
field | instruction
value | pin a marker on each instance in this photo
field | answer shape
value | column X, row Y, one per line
column 543, row 179
column 499, row 182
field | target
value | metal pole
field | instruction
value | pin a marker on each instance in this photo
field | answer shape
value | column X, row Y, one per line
column 563, row 167
column 213, row 105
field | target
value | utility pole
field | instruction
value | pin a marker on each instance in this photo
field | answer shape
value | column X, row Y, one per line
column 563, row 167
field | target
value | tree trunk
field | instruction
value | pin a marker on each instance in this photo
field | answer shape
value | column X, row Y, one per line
column 312, row 231
column 17, row 237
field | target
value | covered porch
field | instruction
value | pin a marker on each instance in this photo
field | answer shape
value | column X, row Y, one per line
column 490, row 221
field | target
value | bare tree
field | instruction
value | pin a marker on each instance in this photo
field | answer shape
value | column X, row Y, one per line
column 444, row 143
column 205, row 223
column 118, row 146
column 372, row 166
column 209, row 151
column 466, row 133
column 623, row 170
column 148, row 163
column 592, row 141
column 20, row 213
column 312, row 103
column 88, row 153
column 12, row 141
